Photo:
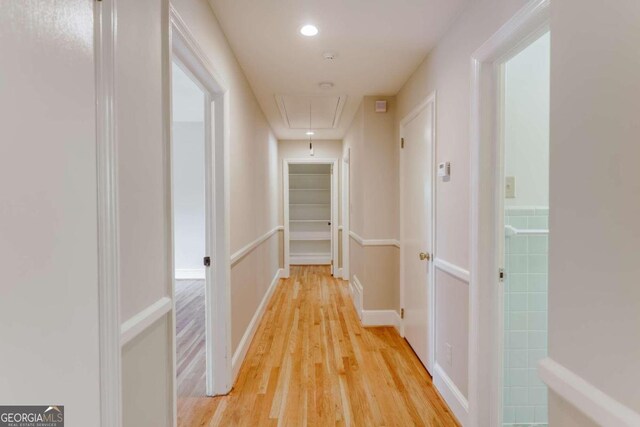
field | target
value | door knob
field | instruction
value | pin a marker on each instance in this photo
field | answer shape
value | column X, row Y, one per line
column 424, row 256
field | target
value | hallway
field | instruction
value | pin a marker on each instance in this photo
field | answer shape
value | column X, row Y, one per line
column 312, row 363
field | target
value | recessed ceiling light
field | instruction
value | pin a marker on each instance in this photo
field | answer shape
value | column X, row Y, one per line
column 309, row 30
column 311, row 133
column 325, row 85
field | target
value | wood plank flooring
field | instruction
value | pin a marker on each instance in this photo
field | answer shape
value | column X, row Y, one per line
column 312, row 363
column 190, row 340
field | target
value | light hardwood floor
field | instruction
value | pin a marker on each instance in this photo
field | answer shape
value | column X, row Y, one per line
column 312, row 363
column 190, row 339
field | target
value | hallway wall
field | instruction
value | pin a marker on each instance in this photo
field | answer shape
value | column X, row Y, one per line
column 594, row 297
column 142, row 113
column 374, row 203
column 48, row 215
column 144, row 201
column 446, row 70
column 253, row 171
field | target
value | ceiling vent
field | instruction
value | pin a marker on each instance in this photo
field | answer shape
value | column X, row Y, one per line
column 381, row 106
column 325, row 111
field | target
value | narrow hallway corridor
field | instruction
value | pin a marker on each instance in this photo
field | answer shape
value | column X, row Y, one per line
column 312, row 363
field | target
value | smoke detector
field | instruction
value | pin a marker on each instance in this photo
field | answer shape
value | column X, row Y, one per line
column 330, row 56
column 325, row 85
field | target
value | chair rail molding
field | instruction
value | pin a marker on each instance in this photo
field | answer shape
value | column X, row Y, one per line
column 373, row 242
column 452, row 269
column 245, row 250
column 139, row 322
column 587, row 398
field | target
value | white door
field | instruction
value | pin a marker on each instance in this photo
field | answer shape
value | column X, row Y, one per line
column 416, row 230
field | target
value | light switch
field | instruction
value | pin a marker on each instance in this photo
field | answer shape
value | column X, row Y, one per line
column 510, row 187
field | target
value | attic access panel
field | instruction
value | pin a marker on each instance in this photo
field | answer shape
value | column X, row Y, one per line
column 325, row 111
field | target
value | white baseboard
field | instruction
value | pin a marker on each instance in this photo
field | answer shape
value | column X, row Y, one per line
column 245, row 342
column 309, row 259
column 451, row 394
column 355, row 289
column 339, row 274
column 190, row 273
column 381, row 318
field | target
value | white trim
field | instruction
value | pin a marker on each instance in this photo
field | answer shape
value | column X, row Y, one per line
column 512, row 231
column 381, row 318
column 186, row 51
column 431, row 291
column 137, row 324
column 107, row 209
column 374, row 242
column 345, row 215
column 452, row 269
column 190, row 273
column 244, row 344
column 339, row 273
column 244, row 251
column 310, row 259
column 485, row 309
column 451, row 394
column 355, row 288
column 587, row 398
column 334, row 213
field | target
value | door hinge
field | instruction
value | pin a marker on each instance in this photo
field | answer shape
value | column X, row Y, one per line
column 401, row 142
column 206, row 261
column 402, row 313
column 501, row 274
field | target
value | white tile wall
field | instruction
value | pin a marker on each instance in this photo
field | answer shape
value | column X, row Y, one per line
column 526, row 266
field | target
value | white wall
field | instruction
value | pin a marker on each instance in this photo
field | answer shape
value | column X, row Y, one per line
column 48, row 216
column 374, row 202
column 447, row 71
column 526, row 109
column 188, row 198
column 594, row 297
column 253, row 170
column 142, row 112
column 188, row 170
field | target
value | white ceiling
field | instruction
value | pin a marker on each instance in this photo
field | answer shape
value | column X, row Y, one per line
column 378, row 43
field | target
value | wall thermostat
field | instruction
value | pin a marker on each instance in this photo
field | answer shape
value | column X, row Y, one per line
column 444, row 169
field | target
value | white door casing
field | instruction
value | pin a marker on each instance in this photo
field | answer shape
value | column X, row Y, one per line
column 186, row 51
column 417, row 229
column 333, row 208
column 485, row 304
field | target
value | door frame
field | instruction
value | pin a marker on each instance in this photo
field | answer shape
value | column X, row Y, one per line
column 334, row 208
column 346, row 158
column 187, row 52
column 485, row 294
column 431, row 291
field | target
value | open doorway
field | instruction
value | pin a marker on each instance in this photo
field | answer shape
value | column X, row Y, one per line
column 509, row 179
column 524, row 234
column 199, row 158
column 189, row 232
column 310, row 213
